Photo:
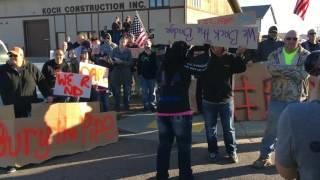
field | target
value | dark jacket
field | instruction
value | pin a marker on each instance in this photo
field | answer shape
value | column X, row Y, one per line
column 174, row 92
column 18, row 87
column 217, row 78
column 266, row 47
column 147, row 65
column 50, row 68
column 310, row 47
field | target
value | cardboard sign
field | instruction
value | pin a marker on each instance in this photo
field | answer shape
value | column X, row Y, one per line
column 225, row 36
column 135, row 52
column 53, row 130
column 247, row 18
column 251, row 93
column 99, row 74
column 70, row 84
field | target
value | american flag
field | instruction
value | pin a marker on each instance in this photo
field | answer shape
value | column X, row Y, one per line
column 138, row 31
column 301, row 8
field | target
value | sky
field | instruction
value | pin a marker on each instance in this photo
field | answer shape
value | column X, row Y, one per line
column 286, row 20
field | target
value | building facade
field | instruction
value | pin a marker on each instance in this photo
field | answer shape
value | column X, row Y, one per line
column 265, row 17
column 41, row 25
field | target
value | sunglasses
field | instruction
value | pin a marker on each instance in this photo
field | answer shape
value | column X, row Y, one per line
column 312, row 33
column 291, row 38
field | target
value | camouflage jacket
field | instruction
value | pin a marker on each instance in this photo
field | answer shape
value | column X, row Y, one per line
column 288, row 82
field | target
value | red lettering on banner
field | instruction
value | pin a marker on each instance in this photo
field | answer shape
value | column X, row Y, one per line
column 95, row 73
column 43, row 142
column 95, row 127
column 15, row 144
column 18, row 145
column 34, row 142
column 84, row 82
column 64, row 80
column 73, row 91
column 246, row 89
column 3, row 139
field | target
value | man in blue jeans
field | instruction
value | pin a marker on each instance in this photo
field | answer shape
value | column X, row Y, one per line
column 289, row 84
column 218, row 99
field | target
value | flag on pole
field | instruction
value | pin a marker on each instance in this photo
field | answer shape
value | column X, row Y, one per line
column 301, row 8
column 138, row 30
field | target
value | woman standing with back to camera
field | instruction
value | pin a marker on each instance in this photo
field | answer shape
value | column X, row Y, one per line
column 174, row 114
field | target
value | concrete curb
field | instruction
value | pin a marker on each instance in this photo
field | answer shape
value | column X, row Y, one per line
column 146, row 122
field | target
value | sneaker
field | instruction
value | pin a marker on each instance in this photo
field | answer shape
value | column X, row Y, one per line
column 262, row 163
column 213, row 156
column 11, row 170
column 234, row 157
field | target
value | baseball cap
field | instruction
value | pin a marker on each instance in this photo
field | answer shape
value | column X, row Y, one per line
column 311, row 31
column 273, row 29
column 16, row 51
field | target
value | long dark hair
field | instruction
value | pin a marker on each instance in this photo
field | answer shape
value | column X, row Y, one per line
column 175, row 58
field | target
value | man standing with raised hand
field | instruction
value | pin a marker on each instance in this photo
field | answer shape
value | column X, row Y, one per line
column 289, row 84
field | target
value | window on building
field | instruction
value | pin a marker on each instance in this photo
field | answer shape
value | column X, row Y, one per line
column 152, row 3
column 61, row 37
column 158, row 3
column 196, row 3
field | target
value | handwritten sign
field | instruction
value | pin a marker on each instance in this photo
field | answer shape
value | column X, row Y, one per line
column 135, row 52
column 99, row 74
column 225, row 36
column 70, row 84
column 57, row 129
column 248, row 18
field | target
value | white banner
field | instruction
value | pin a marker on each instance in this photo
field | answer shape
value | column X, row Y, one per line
column 225, row 36
column 99, row 74
column 71, row 84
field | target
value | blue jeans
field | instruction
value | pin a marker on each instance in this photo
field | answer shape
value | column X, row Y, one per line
column 210, row 115
column 126, row 94
column 148, row 89
column 178, row 127
column 103, row 98
column 270, row 135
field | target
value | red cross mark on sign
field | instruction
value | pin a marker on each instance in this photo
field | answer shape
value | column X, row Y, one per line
column 246, row 89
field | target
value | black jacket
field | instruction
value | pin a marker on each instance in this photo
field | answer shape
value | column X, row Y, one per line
column 18, row 87
column 266, row 47
column 50, row 68
column 217, row 78
column 147, row 65
column 174, row 93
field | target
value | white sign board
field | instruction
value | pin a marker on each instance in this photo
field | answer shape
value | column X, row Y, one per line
column 247, row 18
column 99, row 74
column 225, row 36
column 71, row 84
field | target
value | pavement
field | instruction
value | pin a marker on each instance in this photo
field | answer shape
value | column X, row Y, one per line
column 141, row 122
column 133, row 157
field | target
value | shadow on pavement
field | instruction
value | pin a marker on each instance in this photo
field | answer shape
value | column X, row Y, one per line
column 132, row 158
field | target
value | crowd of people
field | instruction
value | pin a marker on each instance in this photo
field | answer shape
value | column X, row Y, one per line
column 165, row 78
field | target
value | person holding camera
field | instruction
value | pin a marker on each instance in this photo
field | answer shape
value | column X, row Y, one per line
column 289, row 84
column 121, row 73
column 298, row 145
